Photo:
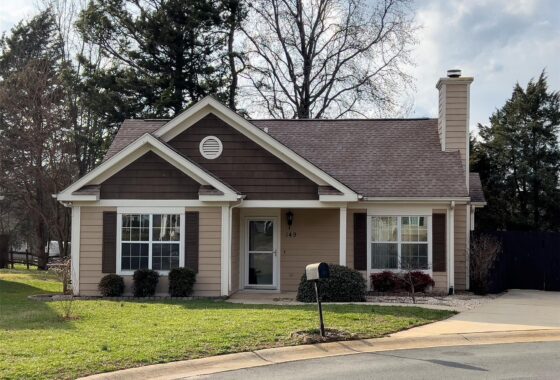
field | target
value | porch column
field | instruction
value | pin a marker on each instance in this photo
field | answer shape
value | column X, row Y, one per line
column 225, row 253
column 451, row 247
column 75, row 250
column 342, row 237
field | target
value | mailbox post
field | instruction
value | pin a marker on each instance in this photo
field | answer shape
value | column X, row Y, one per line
column 315, row 272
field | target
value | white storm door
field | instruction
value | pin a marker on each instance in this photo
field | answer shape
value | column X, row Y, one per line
column 261, row 258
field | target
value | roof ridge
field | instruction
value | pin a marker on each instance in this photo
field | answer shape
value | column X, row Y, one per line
column 353, row 119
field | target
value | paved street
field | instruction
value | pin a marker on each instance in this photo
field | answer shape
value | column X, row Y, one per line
column 506, row 361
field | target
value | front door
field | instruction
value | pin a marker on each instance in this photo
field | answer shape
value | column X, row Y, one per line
column 261, row 253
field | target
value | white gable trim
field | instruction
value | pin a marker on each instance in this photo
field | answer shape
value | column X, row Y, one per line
column 131, row 153
column 210, row 105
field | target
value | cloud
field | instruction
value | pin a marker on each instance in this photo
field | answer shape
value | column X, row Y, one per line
column 499, row 42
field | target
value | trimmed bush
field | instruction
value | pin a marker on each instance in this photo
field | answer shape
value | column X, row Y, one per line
column 145, row 282
column 344, row 285
column 385, row 281
column 181, row 282
column 111, row 285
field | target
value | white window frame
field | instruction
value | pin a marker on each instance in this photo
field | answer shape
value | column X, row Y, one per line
column 151, row 211
column 399, row 241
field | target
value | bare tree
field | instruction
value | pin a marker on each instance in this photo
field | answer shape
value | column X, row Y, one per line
column 36, row 152
column 483, row 254
column 328, row 58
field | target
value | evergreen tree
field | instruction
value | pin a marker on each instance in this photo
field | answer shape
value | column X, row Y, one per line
column 165, row 54
column 518, row 157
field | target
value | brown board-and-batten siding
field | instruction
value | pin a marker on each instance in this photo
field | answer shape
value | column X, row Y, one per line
column 243, row 164
column 149, row 177
column 209, row 246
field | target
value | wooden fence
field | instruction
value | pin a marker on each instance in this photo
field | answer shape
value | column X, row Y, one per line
column 529, row 260
column 26, row 258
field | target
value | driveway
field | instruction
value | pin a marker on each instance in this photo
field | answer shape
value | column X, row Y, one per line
column 514, row 311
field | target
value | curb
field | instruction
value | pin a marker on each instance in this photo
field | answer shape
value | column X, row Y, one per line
column 230, row 362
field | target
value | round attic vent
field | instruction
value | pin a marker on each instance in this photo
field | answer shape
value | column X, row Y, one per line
column 211, row 147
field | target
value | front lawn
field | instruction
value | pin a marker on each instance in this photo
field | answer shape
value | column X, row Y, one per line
column 36, row 342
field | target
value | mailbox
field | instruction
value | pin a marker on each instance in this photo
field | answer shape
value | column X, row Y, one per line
column 317, row 271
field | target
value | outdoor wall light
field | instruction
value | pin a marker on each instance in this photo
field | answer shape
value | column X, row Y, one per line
column 290, row 218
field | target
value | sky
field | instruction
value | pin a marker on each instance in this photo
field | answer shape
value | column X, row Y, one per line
column 498, row 42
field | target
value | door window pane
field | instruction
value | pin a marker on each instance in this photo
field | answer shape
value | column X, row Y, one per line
column 261, row 235
column 260, row 268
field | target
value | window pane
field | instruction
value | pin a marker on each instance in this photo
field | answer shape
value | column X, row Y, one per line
column 165, row 256
column 414, row 256
column 134, row 256
column 166, row 227
column 414, row 228
column 384, row 228
column 384, row 256
column 135, row 227
column 261, row 235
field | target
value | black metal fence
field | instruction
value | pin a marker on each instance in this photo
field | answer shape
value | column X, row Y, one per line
column 529, row 260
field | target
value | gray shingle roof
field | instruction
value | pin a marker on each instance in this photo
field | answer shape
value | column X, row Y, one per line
column 375, row 158
column 129, row 131
column 475, row 188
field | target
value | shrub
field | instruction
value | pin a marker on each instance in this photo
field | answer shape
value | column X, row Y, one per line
column 181, row 282
column 111, row 285
column 419, row 279
column 385, row 281
column 145, row 282
column 485, row 250
column 344, row 285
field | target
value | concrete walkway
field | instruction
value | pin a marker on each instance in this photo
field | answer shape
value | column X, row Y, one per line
column 517, row 317
column 517, row 310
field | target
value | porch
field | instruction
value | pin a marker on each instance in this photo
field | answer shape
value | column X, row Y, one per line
column 270, row 247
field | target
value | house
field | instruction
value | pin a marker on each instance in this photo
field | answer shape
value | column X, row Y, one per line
column 249, row 203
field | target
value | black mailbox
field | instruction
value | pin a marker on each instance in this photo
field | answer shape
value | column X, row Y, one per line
column 317, row 271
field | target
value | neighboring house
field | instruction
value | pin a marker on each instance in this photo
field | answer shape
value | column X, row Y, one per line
column 249, row 203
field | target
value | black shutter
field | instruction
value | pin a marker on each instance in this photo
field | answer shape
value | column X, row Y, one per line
column 439, row 243
column 109, row 248
column 191, row 240
column 360, row 241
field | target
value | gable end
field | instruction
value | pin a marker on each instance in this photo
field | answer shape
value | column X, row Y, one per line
column 243, row 164
column 149, row 177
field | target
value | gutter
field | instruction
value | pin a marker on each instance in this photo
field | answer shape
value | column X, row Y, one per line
column 416, row 199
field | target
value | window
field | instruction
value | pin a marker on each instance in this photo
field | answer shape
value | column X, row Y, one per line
column 151, row 241
column 399, row 242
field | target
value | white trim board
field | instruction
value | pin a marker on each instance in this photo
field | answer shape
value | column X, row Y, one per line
column 209, row 105
column 132, row 152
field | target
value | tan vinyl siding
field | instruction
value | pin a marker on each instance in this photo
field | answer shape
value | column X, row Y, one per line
column 207, row 280
column 456, row 107
column 91, row 241
column 235, row 258
column 209, row 268
column 460, row 246
column 317, row 237
column 440, row 279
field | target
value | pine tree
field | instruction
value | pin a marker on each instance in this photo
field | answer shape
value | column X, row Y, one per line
column 165, row 55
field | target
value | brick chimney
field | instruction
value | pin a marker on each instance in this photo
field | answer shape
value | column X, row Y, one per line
column 453, row 120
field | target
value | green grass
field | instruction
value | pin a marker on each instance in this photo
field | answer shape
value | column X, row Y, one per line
column 37, row 343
